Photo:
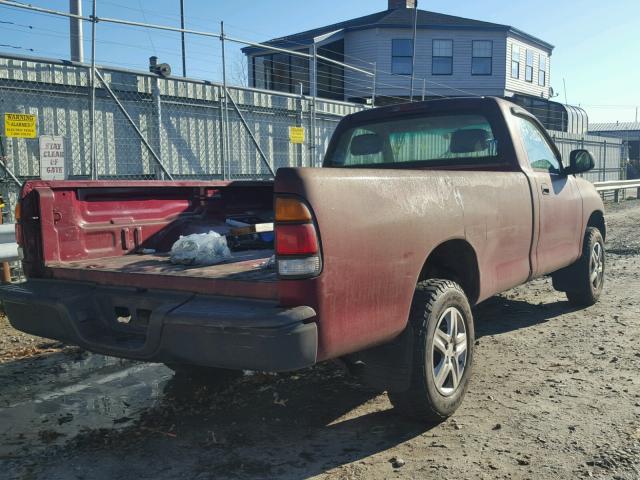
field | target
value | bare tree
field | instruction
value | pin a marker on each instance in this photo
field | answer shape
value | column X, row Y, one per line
column 238, row 71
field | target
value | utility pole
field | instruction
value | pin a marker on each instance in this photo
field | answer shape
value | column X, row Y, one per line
column 413, row 56
column 75, row 32
column 184, row 60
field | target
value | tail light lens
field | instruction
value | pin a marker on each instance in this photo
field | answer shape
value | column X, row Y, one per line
column 290, row 209
column 296, row 239
column 297, row 244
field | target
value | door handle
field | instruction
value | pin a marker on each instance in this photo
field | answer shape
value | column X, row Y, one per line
column 545, row 189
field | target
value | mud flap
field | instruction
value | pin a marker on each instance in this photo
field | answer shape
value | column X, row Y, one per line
column 389, row 366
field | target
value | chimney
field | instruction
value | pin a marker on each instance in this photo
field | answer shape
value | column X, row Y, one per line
column 395, row 4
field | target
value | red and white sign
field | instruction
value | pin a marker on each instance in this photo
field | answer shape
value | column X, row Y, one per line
column 52, row 158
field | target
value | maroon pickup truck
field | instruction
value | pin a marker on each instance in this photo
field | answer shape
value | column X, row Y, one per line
column 420, row 212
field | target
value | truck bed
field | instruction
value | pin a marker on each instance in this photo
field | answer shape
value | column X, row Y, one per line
column 243, row 274
column 93, row 232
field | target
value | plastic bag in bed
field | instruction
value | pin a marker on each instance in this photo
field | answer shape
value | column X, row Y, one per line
column 200, row 249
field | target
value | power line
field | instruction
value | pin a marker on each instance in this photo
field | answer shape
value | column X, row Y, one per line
column 16, row 24
column 16, row 47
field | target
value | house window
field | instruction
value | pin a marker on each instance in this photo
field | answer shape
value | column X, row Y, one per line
column 259, row 72
column 442, row 57
column 515, row 61
column 281, row 72
column 482, row 57
column 528, row 72
column 402, row 56
column 542, row 71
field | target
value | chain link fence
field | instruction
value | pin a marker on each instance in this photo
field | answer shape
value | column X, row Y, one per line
column 148, row 127
column 610, row 154
column 124, row 124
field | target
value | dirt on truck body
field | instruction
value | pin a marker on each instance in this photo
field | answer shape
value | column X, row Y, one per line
column 422, row 211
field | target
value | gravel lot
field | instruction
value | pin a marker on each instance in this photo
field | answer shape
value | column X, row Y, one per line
column 555, row 394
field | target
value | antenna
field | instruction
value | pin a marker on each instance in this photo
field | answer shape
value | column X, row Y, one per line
column 566, row 102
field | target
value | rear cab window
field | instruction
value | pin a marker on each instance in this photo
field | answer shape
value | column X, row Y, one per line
column 425, row 140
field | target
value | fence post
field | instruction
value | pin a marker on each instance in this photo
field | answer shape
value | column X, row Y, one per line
column 299, row 123
column 312, row 105
column 223, row 148
column 157, row 102
column 92, row 97
column 225, row 112
column 604, row 164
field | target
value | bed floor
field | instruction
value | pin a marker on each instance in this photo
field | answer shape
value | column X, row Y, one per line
column 243, row 266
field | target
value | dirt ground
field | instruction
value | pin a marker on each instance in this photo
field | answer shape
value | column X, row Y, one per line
column 555, row 394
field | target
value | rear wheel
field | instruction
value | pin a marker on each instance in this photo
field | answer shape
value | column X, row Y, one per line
column 444, row 336
column 586, row 287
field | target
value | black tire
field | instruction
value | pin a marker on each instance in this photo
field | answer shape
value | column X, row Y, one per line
column 200, row 374
column 582, row 291
column 424, row 400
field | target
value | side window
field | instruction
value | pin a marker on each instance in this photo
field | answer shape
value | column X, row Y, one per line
column 540, row 154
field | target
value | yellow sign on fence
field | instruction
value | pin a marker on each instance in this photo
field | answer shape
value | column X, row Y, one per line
column 21, row 125
column 296, row 134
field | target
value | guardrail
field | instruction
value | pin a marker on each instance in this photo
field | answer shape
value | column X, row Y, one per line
column 8, row 250
column 8, row 245
column 616, row 186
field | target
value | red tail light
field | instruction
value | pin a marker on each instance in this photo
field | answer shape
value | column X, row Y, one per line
column 297, row 243
column 296, row 239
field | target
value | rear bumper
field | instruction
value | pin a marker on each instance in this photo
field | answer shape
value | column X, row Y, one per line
column 165, row 326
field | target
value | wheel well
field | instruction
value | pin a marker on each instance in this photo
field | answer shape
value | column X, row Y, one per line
column 454, row 260
column 597, row 220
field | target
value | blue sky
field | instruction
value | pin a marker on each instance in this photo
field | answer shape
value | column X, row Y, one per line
column 597, row 43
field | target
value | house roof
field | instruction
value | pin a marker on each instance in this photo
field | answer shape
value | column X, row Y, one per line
column 396, row 18
column 614, row 127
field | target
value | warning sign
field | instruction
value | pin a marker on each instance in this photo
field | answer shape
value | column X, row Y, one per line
column 20, row 125
column 296, row 134
column 52, row 158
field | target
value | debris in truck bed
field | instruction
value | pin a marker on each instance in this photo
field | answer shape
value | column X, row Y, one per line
column 250, row 232
column 200, row 249
column 271, row 263
column 249, row 229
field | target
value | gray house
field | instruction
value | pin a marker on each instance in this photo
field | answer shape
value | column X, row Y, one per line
column 454, row 56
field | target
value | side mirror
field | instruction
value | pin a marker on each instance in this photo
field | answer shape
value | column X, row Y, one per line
column 580, row 161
